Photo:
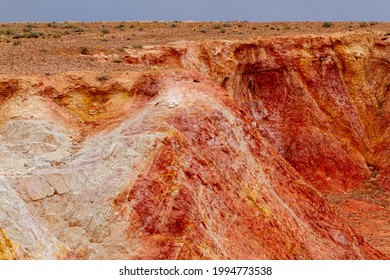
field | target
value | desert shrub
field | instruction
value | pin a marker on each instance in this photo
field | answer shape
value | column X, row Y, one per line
column 105, row 31
column 78, row 29
column 217, row 26
column 84, row 50
column 69, row 25
column 223, row 30
column 27, row 29
column 102, row 78
column 18, row 36
column 11, row 31
column 226, row 24
column 327, row 24
column 121, row 25
column 117, row 60
column 52, row 24
column 138, row 46
column 363, row 24
column 33, row 34
column 203, row 31
column 17, row 43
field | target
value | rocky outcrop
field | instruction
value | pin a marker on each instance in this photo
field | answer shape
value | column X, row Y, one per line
column 225, row 150
column 8, row 249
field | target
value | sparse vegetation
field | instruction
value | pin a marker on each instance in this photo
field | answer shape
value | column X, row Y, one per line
column 52, row 24
column 226, row 24
column 17, row 43
column 27, row 29
column 18, row 36
column 105, row 31
column 33, row 34
column 78, row 29
column 121, row 25
column 69, row 25
column 363, row 24
column 84, row 50
column 117, row 60
column 138, row 46
column 57, row 35
column 11, row 31
column 327, row 24
column 102, row 78
column 217, row 26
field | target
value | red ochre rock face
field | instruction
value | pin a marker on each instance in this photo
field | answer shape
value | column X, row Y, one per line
column 226, row 150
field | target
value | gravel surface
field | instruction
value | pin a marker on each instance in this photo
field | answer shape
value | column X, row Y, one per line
column 100, row 46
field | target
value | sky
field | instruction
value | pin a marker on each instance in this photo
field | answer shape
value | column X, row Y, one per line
column 195, row 10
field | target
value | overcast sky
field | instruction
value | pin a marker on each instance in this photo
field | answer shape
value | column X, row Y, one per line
column 197, row 10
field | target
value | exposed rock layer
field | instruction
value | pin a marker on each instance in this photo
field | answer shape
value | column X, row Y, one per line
column 234, row 151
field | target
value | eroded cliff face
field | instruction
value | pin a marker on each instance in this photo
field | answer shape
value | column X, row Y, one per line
column 320, row 101
column 225, row 150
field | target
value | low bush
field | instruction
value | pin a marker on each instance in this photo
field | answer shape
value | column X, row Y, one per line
column 84, row 50
column 102, row 78
column 117, row 60
column 137, row 46
column 18, row 36
column 327, row 24
column 78, row 29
